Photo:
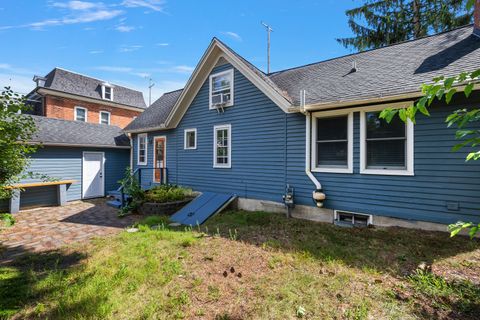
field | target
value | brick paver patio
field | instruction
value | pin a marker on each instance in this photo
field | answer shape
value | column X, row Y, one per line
column 49, row 228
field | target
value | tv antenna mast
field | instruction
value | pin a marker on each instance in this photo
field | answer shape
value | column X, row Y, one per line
column 150, row 86
column 269, row 30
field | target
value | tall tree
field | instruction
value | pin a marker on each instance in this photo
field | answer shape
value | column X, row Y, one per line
column 382, row 22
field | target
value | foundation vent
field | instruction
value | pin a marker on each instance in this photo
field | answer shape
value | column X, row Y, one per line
column 352, row 219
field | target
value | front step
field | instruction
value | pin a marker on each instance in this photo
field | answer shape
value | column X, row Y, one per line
column 114, row 203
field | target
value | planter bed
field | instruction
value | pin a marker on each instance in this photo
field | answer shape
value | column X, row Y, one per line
column 166, row 208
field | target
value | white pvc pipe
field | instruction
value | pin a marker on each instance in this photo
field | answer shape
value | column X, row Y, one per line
column 308, row 152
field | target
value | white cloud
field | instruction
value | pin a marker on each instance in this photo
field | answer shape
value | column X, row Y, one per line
column 79, row 12
column 114, row 69
column 183, row 69
column 93, row 16
column 77, row 5
column 130, row 48
column 232, row 35
column 125, row 70
column 124, row 28
column 163, row 44
column 5, row 66
column 96, row 51
column 155, row 5
column 142, row 74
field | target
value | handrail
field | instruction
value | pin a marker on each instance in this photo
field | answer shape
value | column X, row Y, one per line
column 139, row 171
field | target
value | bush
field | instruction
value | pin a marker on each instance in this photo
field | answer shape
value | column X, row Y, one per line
column 167, row 193
column 6, row 220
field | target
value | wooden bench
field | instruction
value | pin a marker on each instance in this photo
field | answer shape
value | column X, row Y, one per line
column 14, row 203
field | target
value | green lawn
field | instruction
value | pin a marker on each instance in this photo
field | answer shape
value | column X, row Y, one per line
column 243, row 265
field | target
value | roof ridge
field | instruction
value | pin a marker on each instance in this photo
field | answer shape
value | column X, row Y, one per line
column 87, row 76
column 369, row 50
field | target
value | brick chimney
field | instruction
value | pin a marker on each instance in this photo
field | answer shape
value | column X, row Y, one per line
column 476, row 18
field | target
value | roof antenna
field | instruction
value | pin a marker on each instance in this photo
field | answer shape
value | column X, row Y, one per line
column 269, row 30
column 150, row 86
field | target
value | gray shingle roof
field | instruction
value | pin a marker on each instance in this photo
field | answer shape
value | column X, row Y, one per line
column 76, row 133
column 66, row 81
column 387, row 71
column 157, row 113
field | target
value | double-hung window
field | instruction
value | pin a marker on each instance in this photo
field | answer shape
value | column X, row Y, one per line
column 107, row 92
column 190, row 139
column 104, row 117
column 221, row 89
column 332, row 142
column 142, row 149
column 222, row 146
column 385, row 148
column 80, row 114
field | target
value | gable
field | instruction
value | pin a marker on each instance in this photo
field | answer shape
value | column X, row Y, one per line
column 216, row 54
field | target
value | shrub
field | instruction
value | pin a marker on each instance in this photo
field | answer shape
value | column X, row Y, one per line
column 167, row 193
column 6, row 219
column 131, row 187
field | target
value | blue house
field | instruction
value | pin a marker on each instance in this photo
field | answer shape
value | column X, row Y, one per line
column 315, row 129
column 88, row 159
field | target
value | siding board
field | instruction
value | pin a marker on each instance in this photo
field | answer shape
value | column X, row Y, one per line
column 268, row 151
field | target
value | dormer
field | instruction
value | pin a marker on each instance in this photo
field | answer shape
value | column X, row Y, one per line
column 40, row 81
column 107, row 91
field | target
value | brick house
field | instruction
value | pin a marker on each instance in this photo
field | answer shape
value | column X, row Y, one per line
column 67, row 95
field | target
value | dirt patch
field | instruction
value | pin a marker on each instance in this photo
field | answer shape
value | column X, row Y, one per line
column 223, row 276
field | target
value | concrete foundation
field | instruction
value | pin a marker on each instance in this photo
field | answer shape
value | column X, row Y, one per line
column 326, row 215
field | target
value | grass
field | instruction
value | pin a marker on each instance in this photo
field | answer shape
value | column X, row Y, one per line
column 244, row 265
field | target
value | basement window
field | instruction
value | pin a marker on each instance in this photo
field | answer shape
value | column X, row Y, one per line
column 352, row 219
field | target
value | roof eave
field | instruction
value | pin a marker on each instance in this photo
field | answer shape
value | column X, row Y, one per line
column 76, row 145
column 150, row 129
column 373, row 100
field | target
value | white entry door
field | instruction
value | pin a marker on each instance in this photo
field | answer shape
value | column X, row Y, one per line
column 93, row 176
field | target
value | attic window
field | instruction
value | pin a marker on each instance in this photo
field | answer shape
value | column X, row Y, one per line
column 107, row 92
column 221, row 89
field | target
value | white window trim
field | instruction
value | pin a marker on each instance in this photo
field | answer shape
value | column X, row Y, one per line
column 138, row 149
column 186, row 131
column 330, row 114
column 100, row 117
column 409, row 170
column 215, row 129
column 210, row 87
column 80, row 108
column 103, row 92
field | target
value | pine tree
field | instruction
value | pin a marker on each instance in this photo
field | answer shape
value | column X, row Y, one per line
column 382, row 22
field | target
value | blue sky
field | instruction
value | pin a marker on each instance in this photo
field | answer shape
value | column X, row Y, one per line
column 127, row 41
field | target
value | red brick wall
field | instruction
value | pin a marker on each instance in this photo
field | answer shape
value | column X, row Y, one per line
column 63, row 108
